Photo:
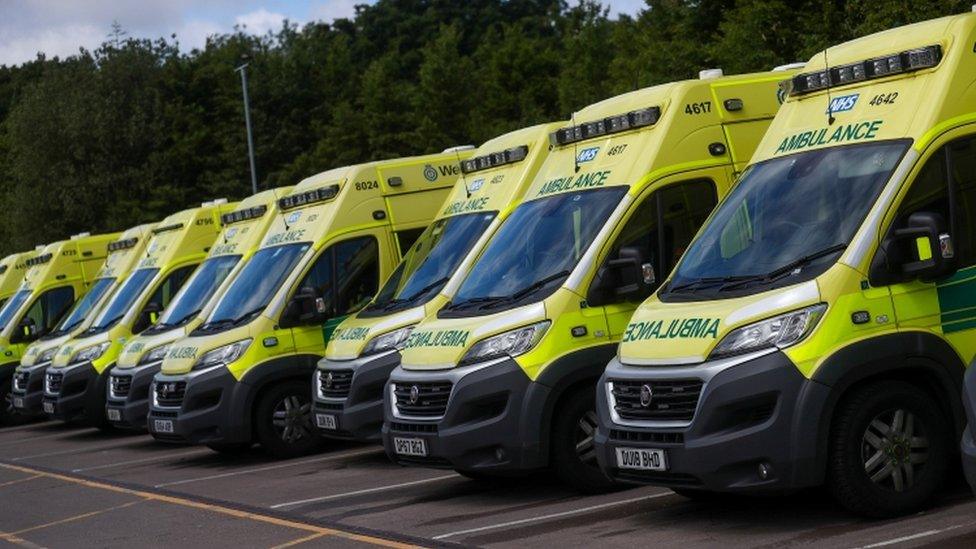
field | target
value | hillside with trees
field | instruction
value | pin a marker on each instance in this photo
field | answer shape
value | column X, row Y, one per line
column 138, row 128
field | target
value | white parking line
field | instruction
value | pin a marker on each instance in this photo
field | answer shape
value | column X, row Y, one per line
column 361, row 492
column 28, row 426
column 144, row 460
column 354, row 453
column 924, row 534
column 12, row 442
column 553, row 515
column 81, row 450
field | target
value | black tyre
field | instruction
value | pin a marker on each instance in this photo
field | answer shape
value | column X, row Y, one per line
column 7, row 412
column 572, row 451
column 283, row 421
column 232, row 449
column 95, row 415
column 889, row 450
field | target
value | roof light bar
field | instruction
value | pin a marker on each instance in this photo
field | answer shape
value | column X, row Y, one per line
column 605, row 126
column 877, row 67
column 39, row 260
column 123, row 244
column 167, row 228
column 243, row 215
column 309, row 197
column 495, row 159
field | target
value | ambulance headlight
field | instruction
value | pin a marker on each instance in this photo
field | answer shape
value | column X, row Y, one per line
column 779, row 332
column 46, row 356
column 154, row 355
column 91, row 353
column 222, row 356
column 387, row 341
column 511, row 344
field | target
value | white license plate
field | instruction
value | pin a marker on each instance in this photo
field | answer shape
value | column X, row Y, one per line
column 326, row 421
column 18, row 402
column 163, row 425
column 410, row 446
column 48, row 407
column 114, row 415
column 642, row 459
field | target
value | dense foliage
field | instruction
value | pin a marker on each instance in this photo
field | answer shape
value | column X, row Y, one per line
column 137, row 129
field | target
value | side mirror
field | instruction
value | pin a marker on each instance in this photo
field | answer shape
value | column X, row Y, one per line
column 28, row 328
column 151, row 311
column 923, row 250
column 626, row 277
column 305, row 307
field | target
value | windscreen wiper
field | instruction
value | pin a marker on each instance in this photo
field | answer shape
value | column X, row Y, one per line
column 539, row 284
column 790, row 267
column 474, row 301
column 709, row 280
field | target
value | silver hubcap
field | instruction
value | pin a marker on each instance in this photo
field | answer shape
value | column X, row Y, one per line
column 292, row 419
column 585, row 429
column 894, row 449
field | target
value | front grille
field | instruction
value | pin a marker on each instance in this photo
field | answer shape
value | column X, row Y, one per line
column 120, row 386
column 422, row 399
column 413, row 427
column 170, row 393
column 329, row 406
column 52, row 382
column 20, row 381
column 620, row 435
column 335, row 383
column 670, row 400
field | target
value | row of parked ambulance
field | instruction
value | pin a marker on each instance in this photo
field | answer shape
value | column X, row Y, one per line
column 752, row 283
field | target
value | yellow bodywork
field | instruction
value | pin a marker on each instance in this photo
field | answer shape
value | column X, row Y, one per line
column 929, row 107
column 678, row 147
column 181, row 240
column 237, row 238
column 497, row 189
column 378, row 199
column 71, row 263
column 12, row 271
column 119, row 263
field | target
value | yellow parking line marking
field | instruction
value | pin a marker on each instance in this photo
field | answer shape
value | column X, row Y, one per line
column 298, row 541
column 14, row 540
column 237, row 513
column 18, row 481
column 77, row 517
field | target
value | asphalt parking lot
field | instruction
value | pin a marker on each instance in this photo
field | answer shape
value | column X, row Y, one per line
column 64, row 486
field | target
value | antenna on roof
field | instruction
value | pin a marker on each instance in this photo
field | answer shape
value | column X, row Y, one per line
column 464, row 180
column 830, row 105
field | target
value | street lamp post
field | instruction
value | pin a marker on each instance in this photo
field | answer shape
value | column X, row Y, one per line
column 247, row 121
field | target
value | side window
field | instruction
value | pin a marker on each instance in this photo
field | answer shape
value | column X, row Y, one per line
column 954, row 164
column 406, row 238
column 47, row 311
column 663, row 225
column 346, row 276
column 167, row 290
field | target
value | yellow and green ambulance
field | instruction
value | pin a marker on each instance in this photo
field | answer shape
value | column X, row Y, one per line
column 127, row 395
column 75, row 382
column 243, row 375
column 817, row 329
column 364, row 349
column 57, row 275
column 12, row 271
column 501, row 379
column 28, row 383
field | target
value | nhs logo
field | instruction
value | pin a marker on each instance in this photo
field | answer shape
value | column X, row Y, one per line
column 586, row 155
column 843, row 103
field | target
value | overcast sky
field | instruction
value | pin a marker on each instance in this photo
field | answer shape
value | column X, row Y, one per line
column 60, row 27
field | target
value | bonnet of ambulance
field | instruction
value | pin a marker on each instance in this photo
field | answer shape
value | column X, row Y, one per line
column 537, row 263
column 123, row 254
column 303, row 222
column 783, row 262
column 495, row 178
column 242, row 232
column 179, row 235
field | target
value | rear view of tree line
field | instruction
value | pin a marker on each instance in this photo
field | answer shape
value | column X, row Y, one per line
column 137, row 129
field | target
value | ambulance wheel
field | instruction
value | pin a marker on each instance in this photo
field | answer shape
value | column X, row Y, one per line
column 573, row 453
column 283, row 421
column 7, row 412
column 889, row 450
